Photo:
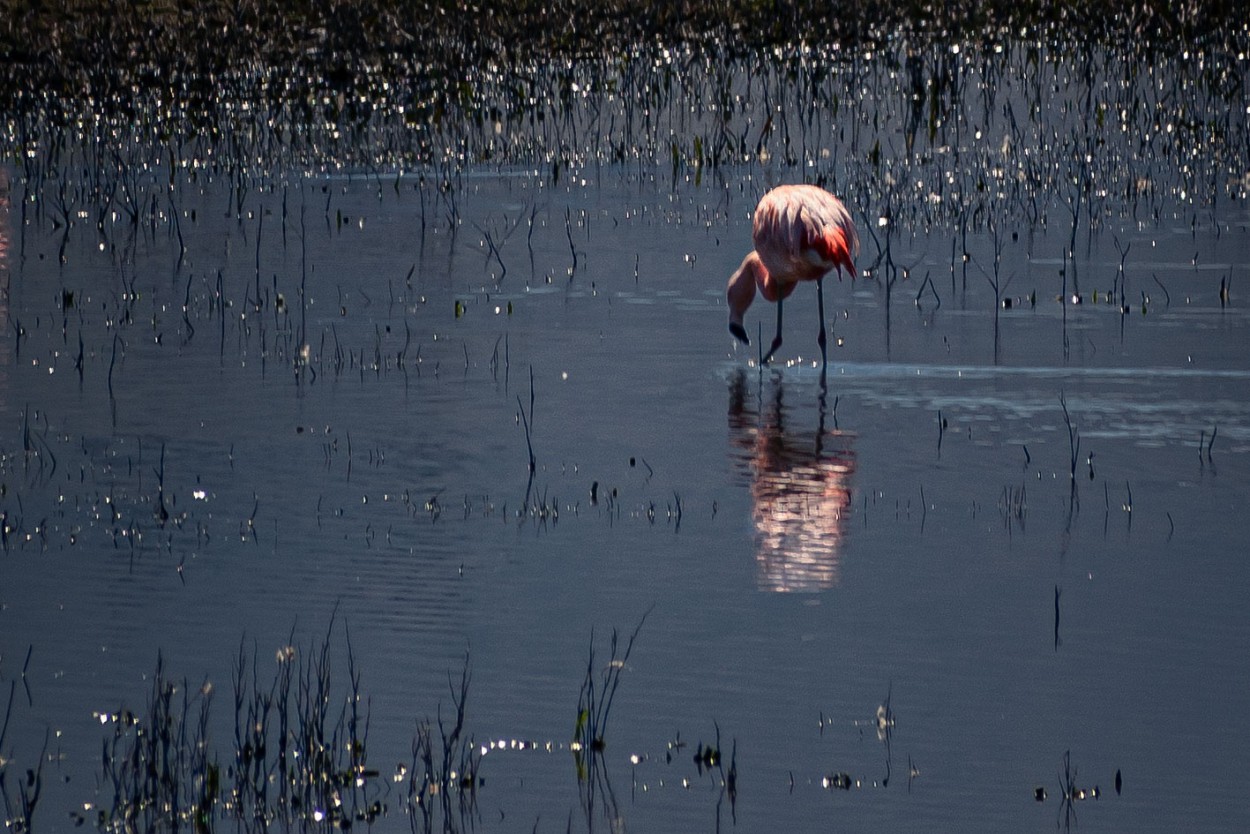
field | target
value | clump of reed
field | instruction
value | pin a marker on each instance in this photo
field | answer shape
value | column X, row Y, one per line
column 296, row 756
column 299, row 751
column 445, row 774
column 594, row 702
column 20, row 796
column 157, row 763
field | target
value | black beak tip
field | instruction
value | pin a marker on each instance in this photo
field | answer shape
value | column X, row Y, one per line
column 739, row 333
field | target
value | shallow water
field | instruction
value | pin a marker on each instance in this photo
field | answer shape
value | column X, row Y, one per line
column 249, row 411
column 912, row 535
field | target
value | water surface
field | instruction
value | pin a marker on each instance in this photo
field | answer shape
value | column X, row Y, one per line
column 310, row 415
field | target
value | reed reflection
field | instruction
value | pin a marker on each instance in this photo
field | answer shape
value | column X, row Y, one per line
column 800, row 489
column 5, row 238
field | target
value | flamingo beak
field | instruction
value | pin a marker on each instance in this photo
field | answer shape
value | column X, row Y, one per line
column 739, row 332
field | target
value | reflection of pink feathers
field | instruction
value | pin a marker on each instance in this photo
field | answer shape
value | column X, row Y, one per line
column 801, row 232
column 800, row 493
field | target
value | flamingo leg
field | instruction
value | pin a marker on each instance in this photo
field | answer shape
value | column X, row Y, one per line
column 820, row 305
column 776, row 339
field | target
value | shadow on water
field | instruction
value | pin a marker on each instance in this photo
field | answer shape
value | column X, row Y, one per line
column 800, row 487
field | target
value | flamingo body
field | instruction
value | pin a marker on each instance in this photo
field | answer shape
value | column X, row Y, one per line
column 800, row 233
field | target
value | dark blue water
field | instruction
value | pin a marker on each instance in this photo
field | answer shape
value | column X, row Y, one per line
column 997, row 548
column 910, row 532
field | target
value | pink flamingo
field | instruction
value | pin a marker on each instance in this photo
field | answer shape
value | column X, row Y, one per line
column 800, row 233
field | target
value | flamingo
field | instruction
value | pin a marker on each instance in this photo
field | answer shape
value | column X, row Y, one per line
column 800, row 233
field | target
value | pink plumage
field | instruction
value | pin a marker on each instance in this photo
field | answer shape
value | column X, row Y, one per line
column 801, row 232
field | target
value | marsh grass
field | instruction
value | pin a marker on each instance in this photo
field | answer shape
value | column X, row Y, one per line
column 445, row 775
column 309, row 734
column 108, row 108
column 70, row 39
column 296, row 758
column 299, row 751
column 983, row 121
column 594, row 702
column 21, row 793
column 157, row 764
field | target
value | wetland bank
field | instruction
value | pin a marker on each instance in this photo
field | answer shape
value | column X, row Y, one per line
column 373, row 452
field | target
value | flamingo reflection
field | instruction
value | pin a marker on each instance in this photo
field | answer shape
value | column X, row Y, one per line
column 800, row 490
